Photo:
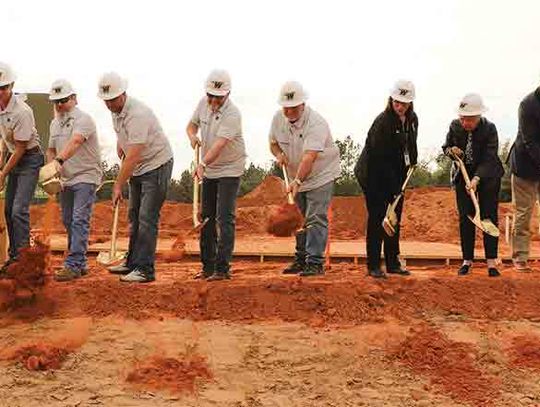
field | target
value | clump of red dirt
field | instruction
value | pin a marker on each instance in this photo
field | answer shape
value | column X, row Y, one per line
column 176, row 252
column 450, row 366
column 51, row 353
column 284, row 220
column 29, row 271
column 525, row 351
column 177, row 375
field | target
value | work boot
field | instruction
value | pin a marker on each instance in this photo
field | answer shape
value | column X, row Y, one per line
column 399, row 271
column 138, row 276
column 119, row 269
column 464, row 270
column 66, row 274
column 312, row 269
column 522, row 266
column 4, row 268
column 376, row 273
column 219, row 275
column 295, row 267
column 493, row 272
column 203, row 275
column 84, row 271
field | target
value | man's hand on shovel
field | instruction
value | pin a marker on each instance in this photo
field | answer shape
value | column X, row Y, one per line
column 473, row 185
column 116, row 194
column 293, row 188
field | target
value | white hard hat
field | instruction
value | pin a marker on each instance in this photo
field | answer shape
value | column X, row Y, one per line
column 111, row 85
column 471, row 105
column 403, row 91
column 218, row 83
column 60, row 89
column 7, row 75
column 292, row 94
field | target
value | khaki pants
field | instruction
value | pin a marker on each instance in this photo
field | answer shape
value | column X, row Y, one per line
column 524, row 196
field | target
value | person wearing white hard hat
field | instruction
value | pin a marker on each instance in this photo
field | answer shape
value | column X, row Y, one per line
column 390, row 150
column 20, row 143
column 147, row 162
column 474, row 140
column 74, row 151
column 524, row 160
column 300, row 139
column 219, row 123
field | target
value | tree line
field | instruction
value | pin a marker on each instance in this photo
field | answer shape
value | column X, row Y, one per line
column 433, row 171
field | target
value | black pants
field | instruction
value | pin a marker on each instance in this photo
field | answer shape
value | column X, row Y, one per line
column 377, row 202
column 217, row 236
column 488, row 195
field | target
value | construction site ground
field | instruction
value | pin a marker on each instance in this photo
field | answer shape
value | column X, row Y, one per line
column 266, row 339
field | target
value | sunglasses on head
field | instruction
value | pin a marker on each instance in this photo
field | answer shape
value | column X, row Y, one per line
column 61, row 101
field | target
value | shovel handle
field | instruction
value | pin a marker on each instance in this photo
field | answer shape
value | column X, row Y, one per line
column 114, row 230
column 467, row 180
column 196, row 187
column 290, row 198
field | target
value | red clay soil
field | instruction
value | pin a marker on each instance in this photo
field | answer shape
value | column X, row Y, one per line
column 450, row 366
column 524, row 351
column 174, row 375
column 284, row 220
column 29, row 272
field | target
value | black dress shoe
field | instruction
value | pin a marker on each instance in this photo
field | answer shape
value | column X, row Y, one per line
column 295, row 267
column 218, row 276
column 312, row 269
column 493, row 272
column 464, row 270
column 202, row 275
column 377, row 273
column 399, row 271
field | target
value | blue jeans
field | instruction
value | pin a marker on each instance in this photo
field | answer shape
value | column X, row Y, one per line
column 77, row 202
column 147, row 192
column 219, row 207
column 311, row 241
column 21, row 184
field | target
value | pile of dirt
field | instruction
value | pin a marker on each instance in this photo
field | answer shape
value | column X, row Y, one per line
column 284, row 220
column 450, row 366
column 271, row 191
column 525, row 351
column 29, row 272
column 166, row 373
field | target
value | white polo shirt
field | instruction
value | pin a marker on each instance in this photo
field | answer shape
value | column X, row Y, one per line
column 226, row 123
column 137, row 124
column 309, row 133
column 85, row 164
column 17, row 123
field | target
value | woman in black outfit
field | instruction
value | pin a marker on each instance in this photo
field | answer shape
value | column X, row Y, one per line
column 389, row 151
column 474, row 140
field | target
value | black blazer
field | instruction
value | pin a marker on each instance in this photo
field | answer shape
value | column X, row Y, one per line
column 382, row 164
column 485, row 146
column 525, row 153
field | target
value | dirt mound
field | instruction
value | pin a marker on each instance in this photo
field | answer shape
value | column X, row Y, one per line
column 451, row 366
column 284, row 220
column 29, row 272
column 269, row 192
column 525, row 351
column 172, row 374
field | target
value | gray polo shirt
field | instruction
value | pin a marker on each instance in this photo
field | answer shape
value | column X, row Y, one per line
column 226, row 123
column 85, row 164
column 137, row 124
column 17, row 123
column 310, row 132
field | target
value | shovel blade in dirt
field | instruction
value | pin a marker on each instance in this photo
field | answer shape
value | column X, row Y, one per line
column 107, row 259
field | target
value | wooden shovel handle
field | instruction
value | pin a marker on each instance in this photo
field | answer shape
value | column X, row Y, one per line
column 195, row 207
column 114, row 230
column 290, row 198
column 467, row 180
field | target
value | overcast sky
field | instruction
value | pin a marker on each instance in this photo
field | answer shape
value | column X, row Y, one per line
column 346, row 53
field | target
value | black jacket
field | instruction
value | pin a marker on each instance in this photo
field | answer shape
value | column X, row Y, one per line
column 485, row 147
column 382, row 164
column 525, row 153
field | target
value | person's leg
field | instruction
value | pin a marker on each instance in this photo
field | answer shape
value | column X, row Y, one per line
column 488, row 193
column 524, row 194
column 467, row 229
column 376, row 209
column 208, row 236
column 11, row 188
column 66, row 203
column 225, row 218
column 316, row 213
column 135, row 192
column 154, row 186
column 84, row 196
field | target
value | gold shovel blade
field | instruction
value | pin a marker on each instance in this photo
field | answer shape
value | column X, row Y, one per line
column 105, row 259
column 388, row 227
column 485, row 226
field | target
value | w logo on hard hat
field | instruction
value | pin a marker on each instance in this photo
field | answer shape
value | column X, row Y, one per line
column 217, row 84
column 289, row 95
column 403, row 92
column 57, row 90
column 462, row 105
column 106, row 88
